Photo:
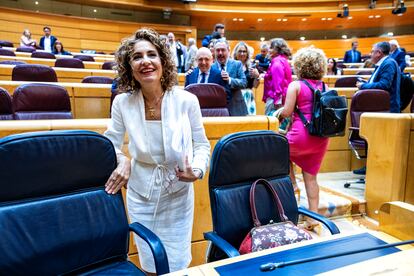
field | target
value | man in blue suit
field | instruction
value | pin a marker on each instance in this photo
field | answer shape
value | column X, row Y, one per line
column 232, row 73
column 205, row 73
column 397, row 54
column 386, row 75
column 353, row 56
column 47, row 41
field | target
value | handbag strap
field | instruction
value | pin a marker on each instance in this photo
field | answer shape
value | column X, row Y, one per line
column 256, row 220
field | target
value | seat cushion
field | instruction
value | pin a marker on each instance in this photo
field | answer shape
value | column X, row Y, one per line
column 114, row 268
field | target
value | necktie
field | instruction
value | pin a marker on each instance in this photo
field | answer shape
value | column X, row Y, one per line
column 203, row 78
column 222, row 67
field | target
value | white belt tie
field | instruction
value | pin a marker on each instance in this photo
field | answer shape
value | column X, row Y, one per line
column 164, row 178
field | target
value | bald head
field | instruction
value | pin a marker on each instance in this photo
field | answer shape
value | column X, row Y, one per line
column 204, row 59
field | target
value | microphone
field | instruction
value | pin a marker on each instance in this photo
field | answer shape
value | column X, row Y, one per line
column 272, row 266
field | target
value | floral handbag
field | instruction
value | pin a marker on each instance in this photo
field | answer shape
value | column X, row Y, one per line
column 271, row 235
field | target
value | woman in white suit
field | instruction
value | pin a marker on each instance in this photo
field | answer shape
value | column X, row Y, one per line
column 167, row 144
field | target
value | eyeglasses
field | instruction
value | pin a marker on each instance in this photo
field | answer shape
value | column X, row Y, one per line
column 242, row 51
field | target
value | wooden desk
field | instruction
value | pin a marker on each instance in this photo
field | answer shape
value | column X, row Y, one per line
column 63, row 74
column 353, row 71
column 50, row 62
column 209, row 269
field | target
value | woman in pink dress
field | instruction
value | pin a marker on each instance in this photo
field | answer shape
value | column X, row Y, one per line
column 277, row 77
column 306, row 151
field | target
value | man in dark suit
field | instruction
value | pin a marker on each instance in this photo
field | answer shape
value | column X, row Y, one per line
column 353, row 56
column 205, row 73
column 397, row 54
column 232, row 73
column 47, row 41
column 386, row 75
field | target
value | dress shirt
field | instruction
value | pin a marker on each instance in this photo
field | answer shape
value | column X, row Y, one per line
column 200, row 77
column 371, row 80
column 48, row 47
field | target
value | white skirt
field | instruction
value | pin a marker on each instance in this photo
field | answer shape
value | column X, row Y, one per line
column 173, row 224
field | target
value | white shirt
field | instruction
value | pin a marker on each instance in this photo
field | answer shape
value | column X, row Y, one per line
column 48, row 47
column 180, row 113
column 371, row 80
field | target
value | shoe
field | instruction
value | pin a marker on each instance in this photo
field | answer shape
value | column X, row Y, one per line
column 313, row 225
column 361, row 171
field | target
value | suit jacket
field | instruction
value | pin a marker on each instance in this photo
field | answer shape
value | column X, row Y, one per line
column 181, row 121
column 348, row 56
column 388, row 79
column 399, row 57
column 214, row 77
column 52, row 42
column 236, row 105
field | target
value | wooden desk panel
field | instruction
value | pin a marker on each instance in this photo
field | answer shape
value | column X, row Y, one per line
column 63, row 74
column 49, row 62
column 353, row 71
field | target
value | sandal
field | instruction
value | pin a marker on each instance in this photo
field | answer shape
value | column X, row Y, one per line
column 313, row 225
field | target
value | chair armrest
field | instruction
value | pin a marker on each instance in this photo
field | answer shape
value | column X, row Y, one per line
column 329, row 224
column 353, row 128
column 222, row 244
column 157, row 248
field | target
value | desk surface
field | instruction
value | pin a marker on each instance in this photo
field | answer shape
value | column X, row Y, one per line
column 387, row 261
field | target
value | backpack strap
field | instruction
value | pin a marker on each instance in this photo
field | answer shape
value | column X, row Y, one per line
column 305, row 122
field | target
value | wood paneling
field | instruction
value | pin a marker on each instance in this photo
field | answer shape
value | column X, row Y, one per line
column 397, row 219
column 388, row 137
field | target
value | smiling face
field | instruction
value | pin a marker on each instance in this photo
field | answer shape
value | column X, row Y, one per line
column 330, row 63
column 242, row 54
column 204, row 59
column 146, row 63
column 222, row 52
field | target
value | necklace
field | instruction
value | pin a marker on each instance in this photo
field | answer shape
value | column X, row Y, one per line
column 151, row 109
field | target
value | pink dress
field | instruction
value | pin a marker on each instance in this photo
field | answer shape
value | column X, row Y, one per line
column 306, row 151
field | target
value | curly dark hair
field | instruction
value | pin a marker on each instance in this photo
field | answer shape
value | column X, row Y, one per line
column 125, row 77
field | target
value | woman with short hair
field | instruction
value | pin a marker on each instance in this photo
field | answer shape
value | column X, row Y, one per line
column 306, row 151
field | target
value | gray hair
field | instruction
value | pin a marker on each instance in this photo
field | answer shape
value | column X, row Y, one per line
column 384, row 46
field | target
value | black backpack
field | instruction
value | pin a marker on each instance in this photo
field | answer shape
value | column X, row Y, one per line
column 406, row 90
column 328, row 113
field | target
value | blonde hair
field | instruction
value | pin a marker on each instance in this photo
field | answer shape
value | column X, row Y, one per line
column 310, row 63
column 236, row 50
column 125, row 78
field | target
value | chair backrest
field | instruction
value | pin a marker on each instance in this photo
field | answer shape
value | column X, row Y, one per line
column 33, row 72
column 5, row 43
column 108, row 65
column 346, row 82
column 7, row 52
column 84, row 57
column 25, row 49
column 69, row 63
column 369, row 100
column 12, row 62
column 412, row 105
column 364, row 72
column 55, row 216
column 37, row 101
column 43, row 55
column 212, row 98
column 6, row 108
column 97, row 79
column 238, row 160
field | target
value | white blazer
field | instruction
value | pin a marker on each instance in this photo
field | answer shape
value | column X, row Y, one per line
column 181, row 115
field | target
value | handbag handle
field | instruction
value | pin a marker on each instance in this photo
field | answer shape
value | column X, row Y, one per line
column 256, row 220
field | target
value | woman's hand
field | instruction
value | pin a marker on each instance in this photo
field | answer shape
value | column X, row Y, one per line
column 119, row 177
column 187, row 175
column 254, row 73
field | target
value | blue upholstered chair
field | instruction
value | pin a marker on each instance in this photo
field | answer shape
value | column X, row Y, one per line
column 55, row 216
column 237, row 161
